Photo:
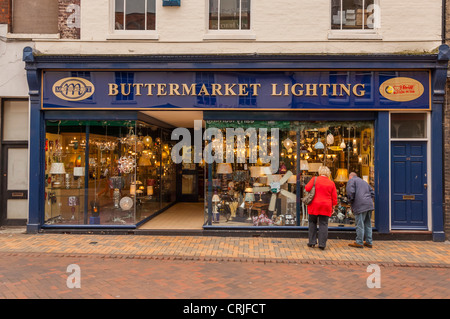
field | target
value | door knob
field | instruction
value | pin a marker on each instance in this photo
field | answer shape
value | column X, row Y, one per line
column 425, row 185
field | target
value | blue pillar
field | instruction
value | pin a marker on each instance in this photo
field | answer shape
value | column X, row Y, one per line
column 382, row 178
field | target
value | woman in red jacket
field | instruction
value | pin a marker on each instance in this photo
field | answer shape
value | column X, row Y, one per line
column 321, row 207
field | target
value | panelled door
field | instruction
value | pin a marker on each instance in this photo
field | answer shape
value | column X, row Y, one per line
column 409, row 185
column 15, row 184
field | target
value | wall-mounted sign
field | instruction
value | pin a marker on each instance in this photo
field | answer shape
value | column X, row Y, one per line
column 266, row 90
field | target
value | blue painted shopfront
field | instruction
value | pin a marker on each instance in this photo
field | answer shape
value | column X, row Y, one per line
column 284, row 88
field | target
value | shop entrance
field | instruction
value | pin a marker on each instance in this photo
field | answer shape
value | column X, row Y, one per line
column 409, row 185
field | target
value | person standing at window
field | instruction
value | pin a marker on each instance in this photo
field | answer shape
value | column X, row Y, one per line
column 321, row 207
column 360, row 195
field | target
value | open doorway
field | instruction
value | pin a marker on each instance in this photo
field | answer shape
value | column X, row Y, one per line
column 188, row 211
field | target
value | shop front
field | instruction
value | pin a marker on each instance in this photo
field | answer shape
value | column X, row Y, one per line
column 110, row 153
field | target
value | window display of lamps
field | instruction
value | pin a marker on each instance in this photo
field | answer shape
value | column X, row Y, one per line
column 215, row 200
column 57, row 169
column 224, row 169
column 249, row 198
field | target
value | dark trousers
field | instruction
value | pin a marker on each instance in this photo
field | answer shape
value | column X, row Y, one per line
column 323, row 229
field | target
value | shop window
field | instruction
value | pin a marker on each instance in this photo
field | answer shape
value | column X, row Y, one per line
column 106, row 172
column 241, row 192
column 134, row 15
column 229, row 14
column 35, row 17
column 413, row 125
column 354, row 14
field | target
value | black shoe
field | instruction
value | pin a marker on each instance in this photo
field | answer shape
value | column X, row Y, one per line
column 323, row 248
column 311, row 245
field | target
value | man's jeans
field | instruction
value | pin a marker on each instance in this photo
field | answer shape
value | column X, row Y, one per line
column 364, row 227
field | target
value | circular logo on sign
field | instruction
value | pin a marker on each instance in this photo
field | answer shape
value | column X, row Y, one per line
column 401, row 89
column 73, row 89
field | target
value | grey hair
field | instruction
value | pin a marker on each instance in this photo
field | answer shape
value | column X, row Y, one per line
column 323, row 170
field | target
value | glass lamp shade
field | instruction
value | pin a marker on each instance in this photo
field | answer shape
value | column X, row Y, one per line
column 224, row 168
column 342, row 175
column 249, row 197
column 319, row 145
column 57, row 168
column 216, row 198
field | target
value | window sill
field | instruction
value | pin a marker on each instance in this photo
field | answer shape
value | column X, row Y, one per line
column 133, row 36
column 32, row 36
column 229, row 35
column 354, row 35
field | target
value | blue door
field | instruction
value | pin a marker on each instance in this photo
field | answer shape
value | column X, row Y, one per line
column 409, row 185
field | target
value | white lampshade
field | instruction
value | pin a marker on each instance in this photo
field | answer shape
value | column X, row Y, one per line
column 57, row 168
column 314, row 167
column 78, row 171
column 304, row 165
column 216, row 198
column 292, row 179
column 319, row 145
column 224, row 168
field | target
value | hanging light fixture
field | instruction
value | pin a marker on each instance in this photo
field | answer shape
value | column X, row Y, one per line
column 342, row 143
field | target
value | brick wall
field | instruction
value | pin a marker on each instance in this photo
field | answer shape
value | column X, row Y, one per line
column 69, row 19
column 5, row 12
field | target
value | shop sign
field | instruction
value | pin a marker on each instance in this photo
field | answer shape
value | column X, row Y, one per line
column 277, row 90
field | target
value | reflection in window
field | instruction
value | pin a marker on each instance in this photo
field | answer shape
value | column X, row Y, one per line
column 411, row 125
column 205, row 79
column 352, row 14
column 125, row 81
column 134, row 15
column 243, row 194
column 229, row 14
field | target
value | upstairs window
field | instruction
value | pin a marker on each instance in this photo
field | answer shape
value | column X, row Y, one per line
column 134, row 15
column 35, row 17
column 354, row 14
column 229, row 14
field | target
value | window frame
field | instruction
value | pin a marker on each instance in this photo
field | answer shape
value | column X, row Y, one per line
column 131, row 34
column 352, row 34
column 229, row 34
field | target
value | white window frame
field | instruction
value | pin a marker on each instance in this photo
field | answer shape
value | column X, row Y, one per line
column 356, row 34
column 132, row 34
column 227, row 34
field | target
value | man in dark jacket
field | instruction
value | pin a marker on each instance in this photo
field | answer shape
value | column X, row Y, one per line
column 360, row 195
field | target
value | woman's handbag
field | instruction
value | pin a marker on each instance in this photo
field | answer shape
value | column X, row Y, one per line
column 309, row 196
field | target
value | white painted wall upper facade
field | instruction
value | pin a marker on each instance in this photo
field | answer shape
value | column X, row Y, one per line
column 277, row 27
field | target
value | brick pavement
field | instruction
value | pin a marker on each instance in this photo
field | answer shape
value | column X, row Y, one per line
column 262, row 249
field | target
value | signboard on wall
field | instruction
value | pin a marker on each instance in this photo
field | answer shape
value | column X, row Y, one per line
column 244, row 90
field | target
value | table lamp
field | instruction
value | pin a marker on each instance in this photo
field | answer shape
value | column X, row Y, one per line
column 249, row 198
column 78, row 172
column 224, row 169
column 215, row 200
column 57, row 169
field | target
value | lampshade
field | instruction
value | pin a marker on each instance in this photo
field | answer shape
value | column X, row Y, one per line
column 256, row 171
column 78, row 171
column 342, row 146
column 304, row 165
column 224, row 168
column 266, row 170
column 319, row 145
column 249, row 190
column 216, row 198
column 314, row 167
column 57, row 168
column 249, row 197
column 144, row 161
column 342, row 175
column 292, row 179
column 287, row 143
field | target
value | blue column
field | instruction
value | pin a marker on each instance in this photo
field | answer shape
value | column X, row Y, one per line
column 382, row 178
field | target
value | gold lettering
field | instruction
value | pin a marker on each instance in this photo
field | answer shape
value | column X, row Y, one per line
column 324, row 88
column 334, row 90
column 286, row 89
column 138, row 87
column 162, row 89
column 298, row 92
column 113, row 89
column 243, row 89
column 189, row 90
column 311, row 90
column 203, row 90
column 274, row 90
column 216, row 89
column 173, row 89
column 345, row 88
column 355, row 90
column 229, row 89
column 149, row 87
column 254, row 87
column 122, row 89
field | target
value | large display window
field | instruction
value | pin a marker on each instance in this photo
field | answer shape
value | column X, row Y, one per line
column 245, row 192
column 106, row 172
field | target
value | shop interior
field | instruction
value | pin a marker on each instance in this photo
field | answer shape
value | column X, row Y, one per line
column 122, row 173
